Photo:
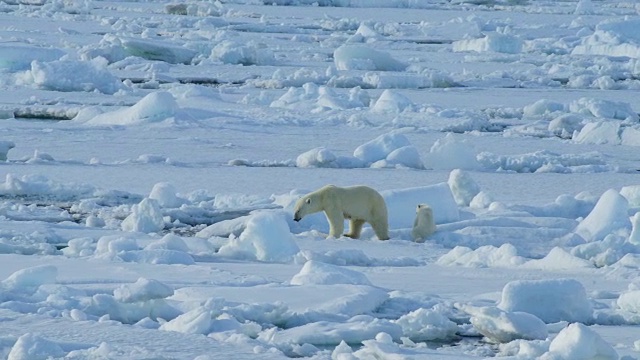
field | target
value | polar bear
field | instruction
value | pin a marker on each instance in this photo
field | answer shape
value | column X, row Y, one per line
column 423, row 225
column 359, row 204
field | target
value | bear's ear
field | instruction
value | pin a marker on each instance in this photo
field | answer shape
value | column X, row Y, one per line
column 308, row 201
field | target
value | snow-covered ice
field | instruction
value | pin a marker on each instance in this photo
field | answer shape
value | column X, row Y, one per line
column 151, row 153
column 502, row 327
column 549, row 300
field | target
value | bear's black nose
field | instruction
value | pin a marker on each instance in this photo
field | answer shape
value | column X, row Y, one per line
column 296, row 219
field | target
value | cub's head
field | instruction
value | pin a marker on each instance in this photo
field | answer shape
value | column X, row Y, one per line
column 306, row 205
column 423, row 208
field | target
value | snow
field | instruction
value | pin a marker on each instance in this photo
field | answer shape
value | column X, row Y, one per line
column 156, row 106
column 31, row 346
column 577, row 341
column 145, row 217
column 493, row 42
column 18, row 56
column 360, row 57
column 603, row 109
column 549, row 300
column 230, row 52
column 354, row 330
column 142, row 290
column 266, row 238
column 391, row 150
column 611, row 37
column 156, row 50
column 584, row 7
column 169, row 242
column 427, row 325
column 634, row 237
column 318, row 157
column 391, row 102
column 152, row 153
column 608, row 216
column 70, row 75
column 484, row 256
column 5, row 146
column 401, row 204
column 449, row 153
column 463, row 187
column 165, row 195
column 197, row 321
column 31, row 278
column 380, row 147
column 315, row 272
column 502, row 327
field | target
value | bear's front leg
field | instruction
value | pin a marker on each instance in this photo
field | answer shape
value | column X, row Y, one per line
column 355, row 228
column 336, row 222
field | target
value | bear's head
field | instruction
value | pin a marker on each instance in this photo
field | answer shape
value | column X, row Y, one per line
column 308, row 204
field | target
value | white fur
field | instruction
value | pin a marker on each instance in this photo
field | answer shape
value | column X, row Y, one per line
column 359, row 204
column 424, row 225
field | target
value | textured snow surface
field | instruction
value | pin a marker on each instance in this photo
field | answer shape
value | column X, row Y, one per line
column 152, row 152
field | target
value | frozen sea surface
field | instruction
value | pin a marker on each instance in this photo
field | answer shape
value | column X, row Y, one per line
column 152, row 153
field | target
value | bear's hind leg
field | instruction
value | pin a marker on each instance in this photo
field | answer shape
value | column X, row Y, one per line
column 381, row 229
column 355, row 228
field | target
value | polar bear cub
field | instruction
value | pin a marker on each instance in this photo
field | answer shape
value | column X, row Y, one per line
column 423, row 225
column 358, row 204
